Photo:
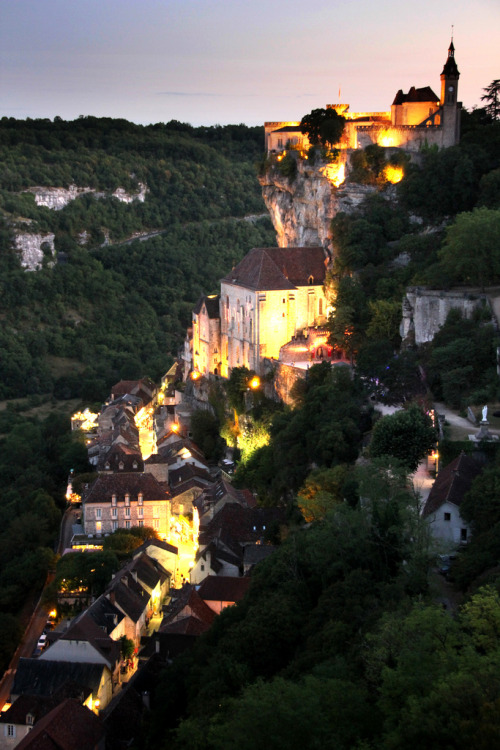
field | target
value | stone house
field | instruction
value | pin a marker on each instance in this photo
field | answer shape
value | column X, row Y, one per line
column 206, row 335
column 122, row 501
column 442, row 508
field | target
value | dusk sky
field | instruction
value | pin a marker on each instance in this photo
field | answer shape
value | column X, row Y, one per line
column 231, row 61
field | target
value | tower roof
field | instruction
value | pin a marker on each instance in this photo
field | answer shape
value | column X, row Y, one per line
column 450, row 66
column 268, row 268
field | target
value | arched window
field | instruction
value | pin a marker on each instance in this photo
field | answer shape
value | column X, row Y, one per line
column 311, row 280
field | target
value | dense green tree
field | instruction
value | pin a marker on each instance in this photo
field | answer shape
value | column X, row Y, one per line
column 492, row 99
column 323, row 126
column 408, row 435
column 470, row 253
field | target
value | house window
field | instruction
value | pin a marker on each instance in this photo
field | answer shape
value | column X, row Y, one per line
column 140, row 498
column 127, row 524
column 30, row 719
column 141, row 523
column 447, row 516
column 114, row 525
column 156, row 524
column 127, row 512
column 121, row 466
column 98, row 527
column 114, row 512
column 156, row 512
column 98, row 513
column 202, row 567
column 127, row 499
column 140, row 512
column 463, row 535
column 11, row 730
column 113, row 499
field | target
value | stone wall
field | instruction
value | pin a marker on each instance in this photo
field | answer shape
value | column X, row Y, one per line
column 425, row 310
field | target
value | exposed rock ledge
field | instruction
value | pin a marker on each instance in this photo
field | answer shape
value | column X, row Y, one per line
column 57, row 198
column 302, row 209
column 29, row 247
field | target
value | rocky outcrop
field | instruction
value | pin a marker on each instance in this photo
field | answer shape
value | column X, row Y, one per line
column 57, row 198
column 302, row 208
column 32, row 248
column 425, row 310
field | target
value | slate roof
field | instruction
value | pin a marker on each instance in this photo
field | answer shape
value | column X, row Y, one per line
column 244, row 525
column 425, row 94
column 452, row 483
column 121, row 454
column 45, row 677
column 104, row 614
column 178, row 477
column 132, row 483
column 156, row 543
column 128, row 598
column 268, row 268
column 36, row 705
column 450, row 66
column 189, row 600
column 86, row 629
column 223, row 588
column 69, row 726
column 211, row 304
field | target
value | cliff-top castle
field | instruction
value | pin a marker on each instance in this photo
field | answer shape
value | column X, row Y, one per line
column 416, row 118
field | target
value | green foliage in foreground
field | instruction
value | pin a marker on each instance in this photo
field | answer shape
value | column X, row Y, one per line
column 408, row 435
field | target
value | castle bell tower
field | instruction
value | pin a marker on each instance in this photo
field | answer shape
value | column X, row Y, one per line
column 449, row 103
column 449, row 79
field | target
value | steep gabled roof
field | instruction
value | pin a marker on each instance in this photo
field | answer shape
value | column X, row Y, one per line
column 107, row 485
column 69, row 726
column 45, row 677
column 268, row 268
column 223, row 588
column 425, row 94
column 86, row 629
column 105, row 615
column 452, row 483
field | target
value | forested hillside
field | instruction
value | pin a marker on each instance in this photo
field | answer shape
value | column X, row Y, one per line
column 105, row 312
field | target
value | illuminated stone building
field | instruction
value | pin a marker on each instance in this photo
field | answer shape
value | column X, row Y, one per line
column 122, row 501
column 269, row 297
column 206, row 335
column 416, row 118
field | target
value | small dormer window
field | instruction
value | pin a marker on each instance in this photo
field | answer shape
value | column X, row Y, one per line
column 113, row 499
column 30, row 720
column 121, row 466
column 107, row 466
column 135, row 465
column 311, row 280
column 127, row 499
column 140, row 498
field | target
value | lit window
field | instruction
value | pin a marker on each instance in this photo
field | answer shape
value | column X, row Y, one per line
column 98, row 527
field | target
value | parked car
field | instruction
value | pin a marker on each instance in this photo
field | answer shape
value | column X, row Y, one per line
column 42, row 641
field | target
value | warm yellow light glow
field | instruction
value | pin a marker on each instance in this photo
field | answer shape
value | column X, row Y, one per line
column 53, row 613
column 87, row 418
column 175, row 427
column 195, row 375
column 393, row 174
column 255, row 382
column 334, row 173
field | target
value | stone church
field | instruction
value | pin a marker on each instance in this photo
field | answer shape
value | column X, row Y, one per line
column 415, row 119
column 273, row 295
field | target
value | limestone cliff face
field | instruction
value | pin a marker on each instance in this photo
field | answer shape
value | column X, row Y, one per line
column 57, row 198
column 29, row 247
column 302, row 209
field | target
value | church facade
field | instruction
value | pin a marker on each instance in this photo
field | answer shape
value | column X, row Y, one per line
column 415, row 119
column 273, row 295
